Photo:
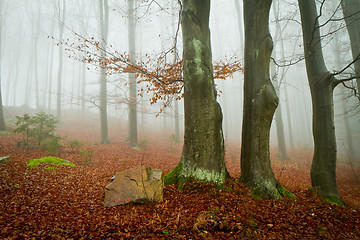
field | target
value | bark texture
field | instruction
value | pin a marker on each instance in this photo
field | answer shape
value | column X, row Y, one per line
column 322, row 83
column 351, row 10
column 260, row 102
column 203, row 150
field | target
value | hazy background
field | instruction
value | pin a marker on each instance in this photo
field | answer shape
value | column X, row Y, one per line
column 30, row 38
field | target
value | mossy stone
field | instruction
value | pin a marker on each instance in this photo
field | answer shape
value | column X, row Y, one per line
column 52, row 160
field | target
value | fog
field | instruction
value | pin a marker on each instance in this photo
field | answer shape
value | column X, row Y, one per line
column 30, row 61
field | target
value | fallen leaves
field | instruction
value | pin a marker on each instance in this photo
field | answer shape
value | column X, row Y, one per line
column 67, row 203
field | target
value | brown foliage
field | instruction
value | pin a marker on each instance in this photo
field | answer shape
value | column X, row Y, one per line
column 161, row 75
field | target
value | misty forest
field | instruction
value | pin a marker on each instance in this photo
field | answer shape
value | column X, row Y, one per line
column 187, row 119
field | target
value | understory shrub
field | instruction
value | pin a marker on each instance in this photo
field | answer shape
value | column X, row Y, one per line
column 36, row 129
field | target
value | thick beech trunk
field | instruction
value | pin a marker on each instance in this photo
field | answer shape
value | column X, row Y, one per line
column 351, row 10
column 322, row 83
column 260, row 102
column 203, row 150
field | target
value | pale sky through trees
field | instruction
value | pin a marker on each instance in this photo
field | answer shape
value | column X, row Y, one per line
column 154, row 34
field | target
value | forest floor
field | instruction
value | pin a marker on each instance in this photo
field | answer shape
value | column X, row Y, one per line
column 67, row 203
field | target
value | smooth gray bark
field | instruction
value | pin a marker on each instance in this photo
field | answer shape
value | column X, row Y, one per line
column 260, row 102
column 322, row 83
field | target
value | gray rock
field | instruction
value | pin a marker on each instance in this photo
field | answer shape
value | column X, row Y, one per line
column 139, row 185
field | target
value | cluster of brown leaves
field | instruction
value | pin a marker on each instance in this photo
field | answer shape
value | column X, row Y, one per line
column 67, row 203
column 161, row 75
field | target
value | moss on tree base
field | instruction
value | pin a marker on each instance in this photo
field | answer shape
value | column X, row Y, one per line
column 268, row 190
column 331, row 199
column 180, row 175
column 173, row 176
column 334, row 200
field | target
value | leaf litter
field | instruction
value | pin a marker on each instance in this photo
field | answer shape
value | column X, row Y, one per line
column 67, row 203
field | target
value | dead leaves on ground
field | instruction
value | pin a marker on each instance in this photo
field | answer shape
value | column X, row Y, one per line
column 67, row 203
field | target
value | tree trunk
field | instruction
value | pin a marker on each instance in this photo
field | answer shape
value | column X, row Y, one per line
column 132, row 86
column 83, row 88
column 351, row 11
column 16, row 77
column 104, row 22
column 260, row 102
column 35, row 33
column 277, row 80
column 240, row 26
column 289, row 120
column 59, row 79
column 49, row 77
column 177, row 122
column 203, row 150
column 349, row 139
column 176, row 102
column 323, row 169
column 282, row 154
column 2, row 121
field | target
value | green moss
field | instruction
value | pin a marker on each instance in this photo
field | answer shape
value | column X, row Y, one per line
column 333, row 200
column 225, row 188
column 52, row 160
column 284, row 192
column 173, row 176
